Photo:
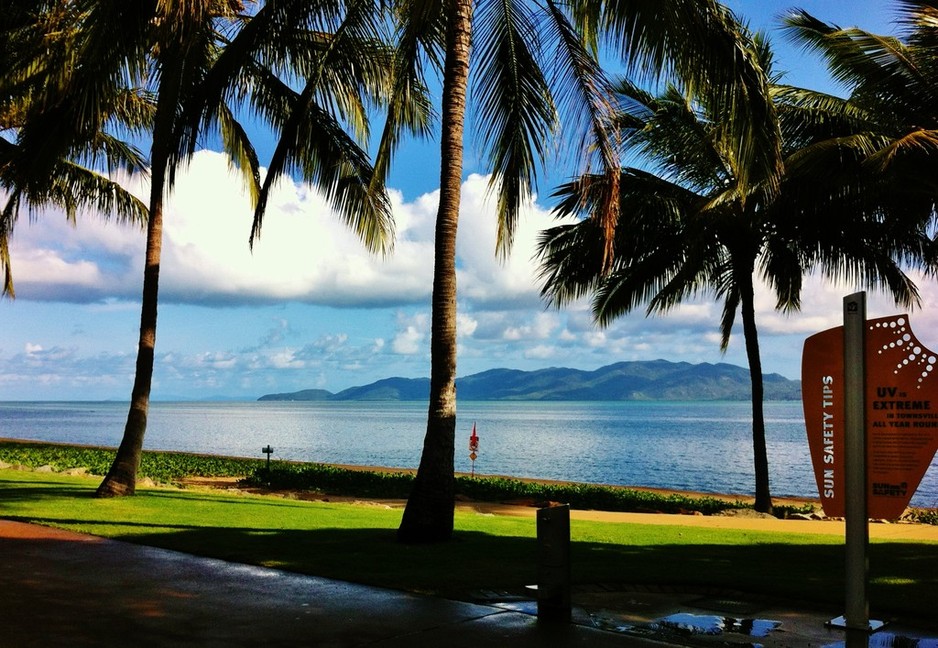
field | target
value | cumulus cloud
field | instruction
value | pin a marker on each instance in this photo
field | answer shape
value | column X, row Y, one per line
column 305, row 253
column 412, row 336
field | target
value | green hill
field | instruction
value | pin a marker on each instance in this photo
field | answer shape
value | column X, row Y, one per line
column 623, row 381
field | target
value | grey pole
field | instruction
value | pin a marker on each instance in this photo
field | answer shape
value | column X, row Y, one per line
column 857, row 613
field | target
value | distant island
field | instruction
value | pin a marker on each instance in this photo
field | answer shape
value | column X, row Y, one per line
column 654, row 380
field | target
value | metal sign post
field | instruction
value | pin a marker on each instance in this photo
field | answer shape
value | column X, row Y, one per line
column 856, row 619
column 857, row 613
column 267, row 450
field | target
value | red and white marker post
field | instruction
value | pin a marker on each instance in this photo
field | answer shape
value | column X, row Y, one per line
column 473, row 448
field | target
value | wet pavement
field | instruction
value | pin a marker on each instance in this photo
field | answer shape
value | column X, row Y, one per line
column 59, row 588
column 694, row 618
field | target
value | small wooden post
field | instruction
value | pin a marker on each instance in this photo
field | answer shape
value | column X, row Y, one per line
column 553, row 564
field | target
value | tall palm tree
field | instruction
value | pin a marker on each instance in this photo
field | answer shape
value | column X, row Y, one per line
column 690, row 226
column 505, row 48
column 35, row 40
column 686, row 231
column 207, row 59
column 518, row 108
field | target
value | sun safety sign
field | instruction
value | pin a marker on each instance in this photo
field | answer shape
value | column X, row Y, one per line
column 901, row 414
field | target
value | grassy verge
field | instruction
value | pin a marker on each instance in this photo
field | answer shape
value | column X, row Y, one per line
column 356, row 543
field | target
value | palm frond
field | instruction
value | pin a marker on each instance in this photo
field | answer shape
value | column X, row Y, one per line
column 870, row 64
column 782, row 269
column 703, row 43
column 922, row 141
column 571, row 261
column 314, row 143
column 807, row 116
column 7, row 220
column 586, row 106
column 409, row 107
column 515, row 104
column 731, row 303
column 684, row 145
column 834, row 153
column 626, row 289
column 241, row 153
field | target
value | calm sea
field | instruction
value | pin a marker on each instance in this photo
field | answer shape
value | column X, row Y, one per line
column 699, row 446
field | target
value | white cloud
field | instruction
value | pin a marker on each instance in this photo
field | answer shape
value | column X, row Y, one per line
column 484, row 279
column 285, row 359
column 408, row 341
column 541, row 352
column 305, row 253
column 412, row 336
column 466, row 325
column 540, row 327
column 595, row 338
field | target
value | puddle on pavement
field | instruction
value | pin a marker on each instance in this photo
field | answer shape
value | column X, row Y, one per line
column 710, row 624
column 687, row 624
column 890, row 640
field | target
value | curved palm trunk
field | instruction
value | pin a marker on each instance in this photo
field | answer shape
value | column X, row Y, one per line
column 763, row 501
column 122, row 476
column 428, row 516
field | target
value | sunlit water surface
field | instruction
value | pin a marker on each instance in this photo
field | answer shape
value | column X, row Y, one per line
column 699, row 446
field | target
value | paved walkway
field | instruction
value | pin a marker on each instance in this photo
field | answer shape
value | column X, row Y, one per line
column 59, row 588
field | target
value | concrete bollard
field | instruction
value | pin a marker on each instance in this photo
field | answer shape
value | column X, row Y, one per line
column 553, row 564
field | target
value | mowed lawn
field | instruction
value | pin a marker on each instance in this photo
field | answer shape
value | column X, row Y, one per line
column 356, row 542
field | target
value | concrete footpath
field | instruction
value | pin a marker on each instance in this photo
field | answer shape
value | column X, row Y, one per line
column 59, row 588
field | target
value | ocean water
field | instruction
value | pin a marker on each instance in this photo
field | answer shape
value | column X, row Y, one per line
column 698, row 446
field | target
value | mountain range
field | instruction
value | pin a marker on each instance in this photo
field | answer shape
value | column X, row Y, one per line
column 622, row 381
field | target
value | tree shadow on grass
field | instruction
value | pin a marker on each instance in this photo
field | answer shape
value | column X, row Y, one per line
column 40, row 490
column 904, row 581
column 31, row 490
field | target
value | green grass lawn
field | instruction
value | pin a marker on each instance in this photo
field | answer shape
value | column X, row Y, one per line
column 357, row 543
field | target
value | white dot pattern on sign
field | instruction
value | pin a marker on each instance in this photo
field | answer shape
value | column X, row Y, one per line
column 903, row 338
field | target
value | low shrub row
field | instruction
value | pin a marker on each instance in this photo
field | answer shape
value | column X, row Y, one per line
column 342, row 481
column 333, row 480
column 158, row 466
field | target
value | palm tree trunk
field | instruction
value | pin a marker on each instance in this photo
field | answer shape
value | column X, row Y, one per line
column 763, row 501
column 122, row 476
column 428, row 516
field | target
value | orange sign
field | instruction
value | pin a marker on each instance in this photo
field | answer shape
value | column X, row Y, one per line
column 901, row 414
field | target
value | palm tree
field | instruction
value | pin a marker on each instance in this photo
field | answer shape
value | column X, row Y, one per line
column 681, row 233
column 889, row 122
column 34, row 40
column 518, row 105
column 428, row 515
column 690, row 227
column 207, row 59
column 512, row 43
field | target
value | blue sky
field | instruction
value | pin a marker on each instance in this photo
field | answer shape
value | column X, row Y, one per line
column 310, row 308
